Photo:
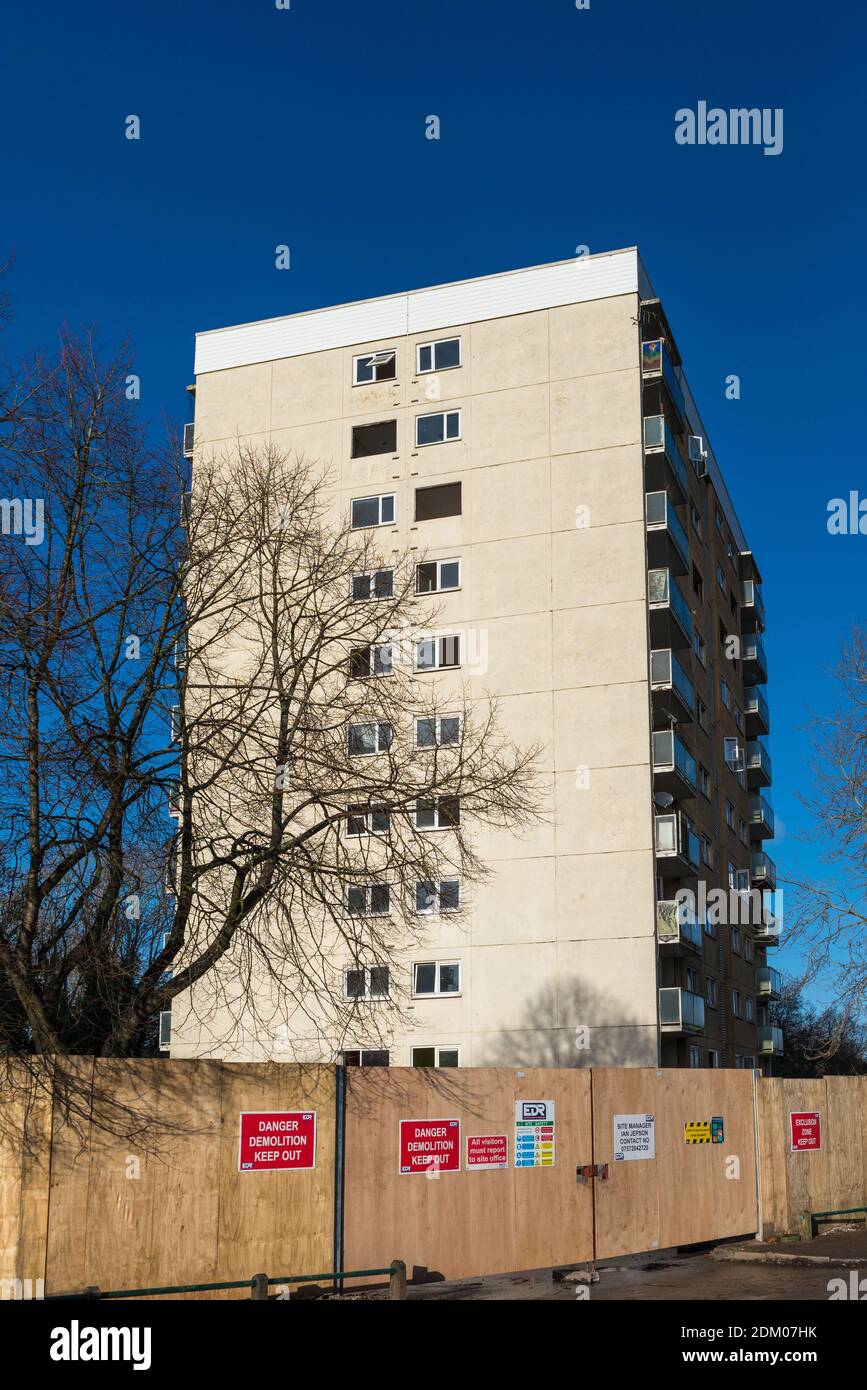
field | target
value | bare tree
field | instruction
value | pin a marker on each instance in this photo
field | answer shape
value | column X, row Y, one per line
column 829, row 922
column 246, row 659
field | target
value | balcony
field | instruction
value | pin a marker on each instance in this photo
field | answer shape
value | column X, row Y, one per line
column 678, row 852
column 680, row 1011
column 663, row 464
column 667, row 541
column 755, row 661
column 758, row 765
column 758, row 717
column 768, row 983
column 670, row 615
column 672, row 690
column 770, row 1040
column 656, row 365
column 761, row 819
column 763, row 872
column 752, row 607
column 677, row 928
column 674, row 767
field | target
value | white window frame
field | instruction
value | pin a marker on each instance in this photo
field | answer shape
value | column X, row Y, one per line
column 378, row 725
column 366, row 997
column 363, row 1052
column 713, row 1059
column 737, row 1004
column 431, row 747
column 694, row 1056
column 447, row 438
column 379, row 497
column 438, row 665
column 365, row 357
column 711, row 992
column 367, row 891
column 371, row 575
column 437, row 1049
column 735, row 940
column 372, row 673
column 433, row 829
column 436, row 910
column 750, row 1012
column 436, row 992
column 433, row 344
column 365, row 813
column 451, row 588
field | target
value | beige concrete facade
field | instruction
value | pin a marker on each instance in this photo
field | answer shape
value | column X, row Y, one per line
column 552, row 541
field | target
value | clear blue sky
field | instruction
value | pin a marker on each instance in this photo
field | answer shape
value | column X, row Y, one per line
column 306, row 127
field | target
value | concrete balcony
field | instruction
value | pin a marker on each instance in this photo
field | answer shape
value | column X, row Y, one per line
column 667, row 541
column 678, row 852
column 770, row 1040
column 672, row 690
column 756, row 713
column 754, row 660
column 663, row 464
column 761, row 819
column 670, row 614
column 677, row 930
column 680, row 1011
column 656, row 365
column 768, row 983
column 758, row 765
column 674, row 767
column 763, row 872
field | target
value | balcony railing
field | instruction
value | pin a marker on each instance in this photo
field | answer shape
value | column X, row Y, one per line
column 758, row 716
column 670, row 616
column 770, row 1040
column 661, row 449
column 678, row 851
column 668, row 679
column 758, row 764
column 755, row 661
column 656, row 364
column 680, row 1011
column 674, row 767
column 763, row 871
column 752, row 607
column 768, row 982
column 677, row 927
column 667, row 541
column 761, row 819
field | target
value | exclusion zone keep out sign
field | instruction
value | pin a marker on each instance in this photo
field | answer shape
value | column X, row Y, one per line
column 426, row 1144
column 276, row 1140
column 806, row 1130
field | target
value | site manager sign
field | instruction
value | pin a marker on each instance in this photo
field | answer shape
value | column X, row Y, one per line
column 277, row 1141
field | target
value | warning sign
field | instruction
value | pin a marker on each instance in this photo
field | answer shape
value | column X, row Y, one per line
column 534, row 1134
column 276, row 1140
column 487, row 1151
column 704, row 1131
column 806, row 1130
column 634, row 1137
column 430, row 1144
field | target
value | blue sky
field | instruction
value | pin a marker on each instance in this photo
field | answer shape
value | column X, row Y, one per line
column 306, row 127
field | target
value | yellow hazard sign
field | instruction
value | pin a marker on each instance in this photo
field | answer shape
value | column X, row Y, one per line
column 703, row 1131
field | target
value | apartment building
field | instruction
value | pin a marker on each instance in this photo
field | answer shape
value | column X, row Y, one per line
column 533, row 437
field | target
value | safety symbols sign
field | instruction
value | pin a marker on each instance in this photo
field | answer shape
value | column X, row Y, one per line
column 534, row 1134
column 704, row 1131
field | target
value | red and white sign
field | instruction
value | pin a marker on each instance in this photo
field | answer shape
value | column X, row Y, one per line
column 806, row 1130
column 487, row 1151
column 277, row 1140
column 430, row 1144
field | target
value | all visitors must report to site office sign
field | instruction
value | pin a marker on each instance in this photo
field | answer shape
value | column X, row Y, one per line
column 277, row 1141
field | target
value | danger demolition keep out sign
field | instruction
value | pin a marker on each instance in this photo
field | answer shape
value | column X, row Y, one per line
column 276, row 1140
column 430, row 1144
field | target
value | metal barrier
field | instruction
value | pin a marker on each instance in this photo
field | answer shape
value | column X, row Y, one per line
column 259, row 1285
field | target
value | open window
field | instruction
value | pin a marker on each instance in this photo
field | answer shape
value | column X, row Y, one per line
column 374, row 366
column 380, row 438
column 444, row 499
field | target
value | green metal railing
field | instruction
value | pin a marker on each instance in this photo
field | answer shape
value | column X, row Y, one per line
column 258, row 1285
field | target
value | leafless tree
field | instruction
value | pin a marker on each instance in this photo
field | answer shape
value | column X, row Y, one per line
column 208, row 648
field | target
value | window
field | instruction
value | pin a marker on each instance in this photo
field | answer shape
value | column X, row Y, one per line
column 436, row 977
column 440, row 428
column 365, row 1057
column 433, row 653
column 699, row 646
column 366, row 982
column 697, row 524
column 367, row 820
column 442, row 896
column 742, row 830
column 377, row 584
column 704, row 780
column 735, row 939
column 436, row 575
column 709, row 926
column 436, row 1056
column 697, row 584
column 711, row 992
column 733, row 754
column 720, row 578
column 748, row 947
column 440, row 813
column 366, row 739
column 370, row 661
column 706, row 852
column 725, row 693
column 380, row 438
column 438, row 357
column 749, row 1063
column 701, row 712
column 694, row 1055
column 730, row 815
column 737, row 1004
column 372, row 511
column 718, row 523
column 373, row 366
column 433, row 502
column 712, row 1059
column 750, row 1009
column 739, row 1062
column 368, row 900
column 438, row 731
column 692, row 979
